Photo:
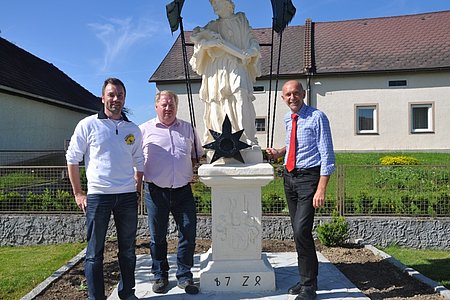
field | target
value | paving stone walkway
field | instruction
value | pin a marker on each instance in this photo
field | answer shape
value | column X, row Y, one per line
column 332, row 283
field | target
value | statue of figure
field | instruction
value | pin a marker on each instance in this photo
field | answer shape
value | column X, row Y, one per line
column 227, row 56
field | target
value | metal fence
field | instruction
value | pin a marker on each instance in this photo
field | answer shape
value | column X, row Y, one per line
column 35, row 189
column 32, row 158
column 352, row 191
column 419, row 190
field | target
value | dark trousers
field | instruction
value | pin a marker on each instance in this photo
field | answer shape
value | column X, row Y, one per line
column 181, row 203
column 300, row 187
column 98, row 212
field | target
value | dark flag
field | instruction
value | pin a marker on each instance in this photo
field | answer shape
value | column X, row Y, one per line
column 173, row 10
column 283, row 12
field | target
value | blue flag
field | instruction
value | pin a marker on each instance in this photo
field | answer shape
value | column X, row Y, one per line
column 283, row 12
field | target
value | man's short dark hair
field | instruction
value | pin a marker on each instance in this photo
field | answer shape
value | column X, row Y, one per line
column 113, row 81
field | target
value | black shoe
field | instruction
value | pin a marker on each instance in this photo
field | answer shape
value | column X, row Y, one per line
column 188, row 286
column 160, row 285
column 306, row 293
column 295, row 289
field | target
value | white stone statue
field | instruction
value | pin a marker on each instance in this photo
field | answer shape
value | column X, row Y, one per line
column 227, row 56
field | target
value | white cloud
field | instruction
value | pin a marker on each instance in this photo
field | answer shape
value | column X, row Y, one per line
column 118, row 36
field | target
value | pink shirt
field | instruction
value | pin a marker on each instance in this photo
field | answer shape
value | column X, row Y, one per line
column 168, row 151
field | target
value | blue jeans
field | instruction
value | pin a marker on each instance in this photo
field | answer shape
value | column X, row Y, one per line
column 300, row 187
column 98, row 212
column 180, row 202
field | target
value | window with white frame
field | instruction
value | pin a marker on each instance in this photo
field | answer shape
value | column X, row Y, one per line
column 260, row 124
column 421, row 117
column 366, row 120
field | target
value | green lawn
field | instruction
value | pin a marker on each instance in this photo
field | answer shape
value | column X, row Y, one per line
column 18, row 179
column 424, row 158
column 434, row 264
column 24, row 267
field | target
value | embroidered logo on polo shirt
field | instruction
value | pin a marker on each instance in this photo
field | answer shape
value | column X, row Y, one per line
column 129, row 139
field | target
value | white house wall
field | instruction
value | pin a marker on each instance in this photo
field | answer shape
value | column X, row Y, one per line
column 261, row 107
column 337, row 97
column 27, row 125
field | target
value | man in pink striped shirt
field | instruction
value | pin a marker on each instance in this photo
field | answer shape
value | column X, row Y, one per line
column 171, row 149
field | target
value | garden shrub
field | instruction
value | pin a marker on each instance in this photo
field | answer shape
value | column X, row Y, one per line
column 398, row 160
column 202, row 196
column 33, row 202
column 334, row 233
column 273, row 203
column 48, row 200
column 273, row 197
column 278, row 170
column 64, row 201
column 330, row 205
column 10, row 201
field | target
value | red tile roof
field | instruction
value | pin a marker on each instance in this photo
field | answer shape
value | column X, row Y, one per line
column 400, row 43
column 383, row 44
column 24, row 72
column 171, row 68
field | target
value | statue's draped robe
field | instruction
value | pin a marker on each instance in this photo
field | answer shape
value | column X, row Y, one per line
column 227, row 81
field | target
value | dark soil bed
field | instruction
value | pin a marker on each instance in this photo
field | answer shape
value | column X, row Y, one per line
column 374, row 276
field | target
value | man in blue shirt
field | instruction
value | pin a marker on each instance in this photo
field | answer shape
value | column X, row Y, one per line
column 309, row 162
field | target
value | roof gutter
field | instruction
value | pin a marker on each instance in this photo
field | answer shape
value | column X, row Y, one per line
column 356, row 73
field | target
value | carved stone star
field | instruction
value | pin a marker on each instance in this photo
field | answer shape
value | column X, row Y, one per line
column 226, row 144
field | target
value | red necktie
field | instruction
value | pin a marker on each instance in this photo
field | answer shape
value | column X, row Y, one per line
column 290, row 163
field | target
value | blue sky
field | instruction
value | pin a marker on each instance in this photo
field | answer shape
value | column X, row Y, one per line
column 91, row 40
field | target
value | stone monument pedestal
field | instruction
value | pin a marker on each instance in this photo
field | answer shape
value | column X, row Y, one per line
column 235, row 262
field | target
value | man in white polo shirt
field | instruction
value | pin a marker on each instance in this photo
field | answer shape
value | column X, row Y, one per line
column 110, row 145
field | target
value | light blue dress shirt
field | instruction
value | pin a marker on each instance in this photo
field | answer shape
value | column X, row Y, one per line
column 314, row 142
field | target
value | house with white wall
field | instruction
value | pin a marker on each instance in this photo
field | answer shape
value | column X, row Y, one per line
column 384, row 83
column 40, row 105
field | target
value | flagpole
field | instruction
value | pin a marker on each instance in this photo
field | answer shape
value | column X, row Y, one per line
column 270, row 85
column 277, row 76
column 286, row 17
column 188, row 78
column 276, row 88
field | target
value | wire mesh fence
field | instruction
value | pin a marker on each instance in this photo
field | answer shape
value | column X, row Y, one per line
column 32, row 158
column 352, row 190
column 414, row 190
column 35, row 189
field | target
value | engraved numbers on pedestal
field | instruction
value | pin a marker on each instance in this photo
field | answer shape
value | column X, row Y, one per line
column 244, row 281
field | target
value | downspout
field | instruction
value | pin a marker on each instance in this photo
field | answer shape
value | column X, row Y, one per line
column 308, row 89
